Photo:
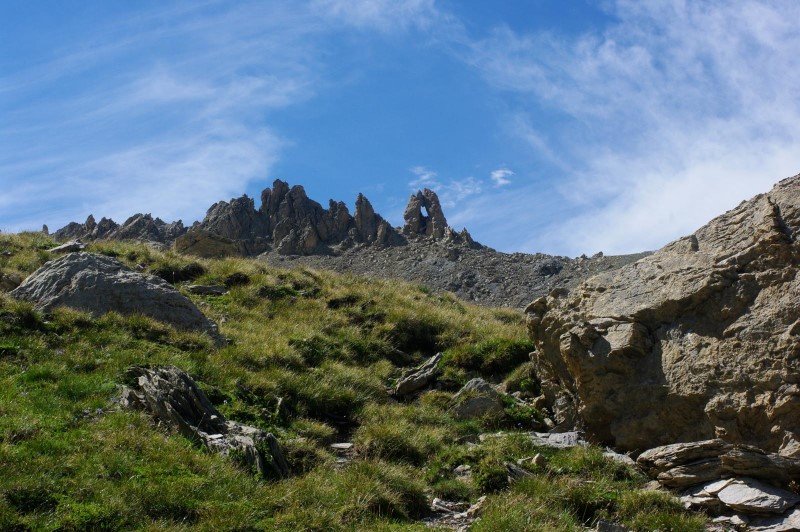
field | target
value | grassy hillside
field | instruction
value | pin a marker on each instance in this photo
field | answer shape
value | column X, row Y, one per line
column 311, row 359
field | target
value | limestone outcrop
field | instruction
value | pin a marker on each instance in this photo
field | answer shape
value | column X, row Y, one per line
column 98, row 284
column 699, row 340
column 172, row 397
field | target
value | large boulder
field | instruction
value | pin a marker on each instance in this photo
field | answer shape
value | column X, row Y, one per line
column 98, row 284
column 171, row 396
column 698, row 340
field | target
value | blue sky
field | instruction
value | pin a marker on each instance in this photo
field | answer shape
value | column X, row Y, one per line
column 563, row 127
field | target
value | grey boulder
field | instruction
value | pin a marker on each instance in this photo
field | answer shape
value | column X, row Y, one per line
column 98, row 284
column 751, row 496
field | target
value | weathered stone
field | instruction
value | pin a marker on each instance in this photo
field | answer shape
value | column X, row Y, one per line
column 751, row 496
column 685, row 464
column 731, row 522
column 98, row 284
column 477, row 398
column 173, row 398
column 515, row 472
column 619, row 457
column 700, row 339
column 419, row 377
column 69, row 247
column 558, row 440
column 660, row 459
column 789, row 522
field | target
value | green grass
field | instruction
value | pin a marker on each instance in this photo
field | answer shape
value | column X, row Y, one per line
column 312, row 358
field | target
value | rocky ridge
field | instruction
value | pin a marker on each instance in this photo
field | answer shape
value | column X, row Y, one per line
column 288, row 228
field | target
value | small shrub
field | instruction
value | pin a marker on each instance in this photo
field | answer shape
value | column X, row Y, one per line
column 490, row 475
column 497, row 356
column 416, row 335
column 451, row 489
column 236, row 279
column 28, row 499
column 523, row 379
column 177, row 271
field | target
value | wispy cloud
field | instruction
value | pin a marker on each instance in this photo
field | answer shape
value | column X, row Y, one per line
column 500, row 177
column 424, row 177
column 384, row 15
column 670, row 116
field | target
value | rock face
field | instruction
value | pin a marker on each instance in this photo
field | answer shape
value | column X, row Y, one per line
column 98, row 284
column 173, row 398
column 698, row 340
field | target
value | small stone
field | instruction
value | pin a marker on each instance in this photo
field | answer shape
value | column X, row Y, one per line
column 619, row 457
column 610, row 526
column 462, row 470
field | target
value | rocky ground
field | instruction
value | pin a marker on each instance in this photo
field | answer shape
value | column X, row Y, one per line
column 331, row 403
column 480, row 275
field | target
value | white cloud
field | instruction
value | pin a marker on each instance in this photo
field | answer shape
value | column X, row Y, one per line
column 501, row 177
column 675, row 113
column 425, row 178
